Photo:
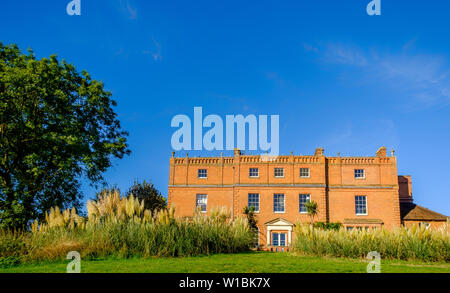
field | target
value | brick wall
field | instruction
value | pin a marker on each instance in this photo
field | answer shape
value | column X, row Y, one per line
column 331, row 184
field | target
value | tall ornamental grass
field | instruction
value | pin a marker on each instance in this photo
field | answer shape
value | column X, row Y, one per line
column 415, row 243
column 121, row 227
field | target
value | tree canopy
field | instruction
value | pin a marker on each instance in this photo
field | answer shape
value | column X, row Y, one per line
column 146, row 191
column 57, row 126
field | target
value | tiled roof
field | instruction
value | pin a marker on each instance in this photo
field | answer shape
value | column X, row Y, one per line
column 413, row 212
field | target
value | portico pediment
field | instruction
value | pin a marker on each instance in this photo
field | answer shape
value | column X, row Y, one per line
column 279, row 222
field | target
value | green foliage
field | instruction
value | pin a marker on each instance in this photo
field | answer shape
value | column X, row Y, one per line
column 400, row 243
column 146, row 192
column 249, row 212
column 10, row 261
column 328, row 226
column 312, row 209
column 56, row 126
column 12, row 243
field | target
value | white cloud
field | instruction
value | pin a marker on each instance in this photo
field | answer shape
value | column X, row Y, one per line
column 422, row 78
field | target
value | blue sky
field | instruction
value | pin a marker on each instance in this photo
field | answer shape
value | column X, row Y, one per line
column 337, row 77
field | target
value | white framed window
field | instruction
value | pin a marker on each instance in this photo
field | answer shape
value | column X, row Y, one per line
column 304, row 172
column 360, row 174
column 279, row 172
column 302, row 199
column 202, row 202
column 361, row 205
column 253, row 201
column 278, row 203
column 349, row 228
column 253, row 172
column 202, row 173
column 278, row 239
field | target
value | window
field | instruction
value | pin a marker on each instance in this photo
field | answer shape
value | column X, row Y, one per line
column 304, row 172
column 302, row 199
column 278, row 203
column 279, row 239
column 202, row 173
column 253, row 172
column 201, row 202
column 253, row 201
column 359, row 174
column 361, row 205
column 279, row 172
column 349, row 228
column 425, row 224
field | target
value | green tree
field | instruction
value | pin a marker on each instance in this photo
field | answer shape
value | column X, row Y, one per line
column 57, row 126
column 311, row 209
column 153, row 199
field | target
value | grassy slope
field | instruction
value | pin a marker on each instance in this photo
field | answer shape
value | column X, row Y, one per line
column 253, row 262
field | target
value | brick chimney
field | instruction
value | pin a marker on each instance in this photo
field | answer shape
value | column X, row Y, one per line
column 319, row 152
column 382, row 152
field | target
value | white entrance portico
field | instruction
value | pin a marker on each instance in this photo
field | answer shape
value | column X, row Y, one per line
column 275, row 230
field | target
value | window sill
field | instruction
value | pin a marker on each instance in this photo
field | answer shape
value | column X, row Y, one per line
column 361, row 214
column 279, row 212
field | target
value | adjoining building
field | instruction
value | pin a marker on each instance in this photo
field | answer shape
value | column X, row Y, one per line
column 359, row 192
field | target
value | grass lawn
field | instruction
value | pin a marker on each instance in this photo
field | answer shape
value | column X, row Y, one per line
column 251, row 262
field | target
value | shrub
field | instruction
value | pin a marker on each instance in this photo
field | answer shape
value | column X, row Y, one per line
column 121, row 227
column 10, row 261
column 12, row 243
column 400, row 243
column 328, row 226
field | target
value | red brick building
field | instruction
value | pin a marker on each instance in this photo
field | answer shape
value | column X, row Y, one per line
column 359, row 192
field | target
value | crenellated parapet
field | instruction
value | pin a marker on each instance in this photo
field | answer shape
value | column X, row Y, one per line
column 254, row 159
